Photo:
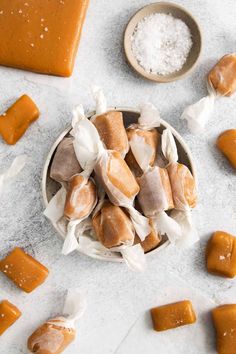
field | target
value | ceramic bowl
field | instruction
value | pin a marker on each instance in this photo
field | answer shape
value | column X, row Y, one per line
column 131, row 115
column 176, row 11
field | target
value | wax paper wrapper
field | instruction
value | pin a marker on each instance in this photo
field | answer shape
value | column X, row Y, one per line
column 189, row 233
column 92, row 155
column 192, row 339
column 15, row 168
column 74, row 307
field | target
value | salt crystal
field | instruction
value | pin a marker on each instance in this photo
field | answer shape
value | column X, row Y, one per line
column 32, row 44
column 1, row 12
column 41, row 36
column 46, row 29
column 161, row 43
column 20, row 11
column 221, row 258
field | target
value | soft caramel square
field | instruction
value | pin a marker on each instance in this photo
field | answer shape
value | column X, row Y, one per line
column 8, row 315
column 221, row 254
column 226, row 143
column 173, row 315
column 224, row 318
column 16, row 120
column 40, row 35
column 23, row 270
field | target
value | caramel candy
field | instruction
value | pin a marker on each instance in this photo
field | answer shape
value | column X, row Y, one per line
column 41, row 36
column 224, row 318
column 23, row 270
column 112, row 226
column 173, row 315
column 183, row 186
column 9, row 314
column 221, row 254
column 155, row 191
column 51, row 338
column 112, row 132
column 151, row 241
column 119, row 175
column 65, row 164
column 151, row 138
column 226, row 143
column 81, row 198
column 223, row 75
column 16, row 120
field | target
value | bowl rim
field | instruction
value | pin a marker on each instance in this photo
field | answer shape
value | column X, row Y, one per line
column 119, row 259
column 138, row 69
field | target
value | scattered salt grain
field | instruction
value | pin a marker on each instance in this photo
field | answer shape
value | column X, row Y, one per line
column 41, row 36
column 161, row 43
column 20, row 11
column 46, row 29
column 1, row 12
column 221, row 258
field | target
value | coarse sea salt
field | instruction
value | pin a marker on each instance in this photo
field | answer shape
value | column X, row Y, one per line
column 161, row 43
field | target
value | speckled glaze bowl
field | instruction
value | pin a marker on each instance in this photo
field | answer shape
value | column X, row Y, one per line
column 131, row 115
column 176, row 11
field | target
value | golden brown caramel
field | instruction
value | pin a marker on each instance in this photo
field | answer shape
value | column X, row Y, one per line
column 41, row 36
column 81, row 198
column 183, row 186
column 112, row 132
column 224, row 318
column 23, row 270
column 226, row 143
column 221, row 254
column 112, row 226
column 223, row 76
column 51, row 338
column 16, row 120
column 151, row 241
column 120, row 175
column 9, row 314
column 173, row 315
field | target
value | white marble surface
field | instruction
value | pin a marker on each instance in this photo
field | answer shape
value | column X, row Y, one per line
column 118, row 298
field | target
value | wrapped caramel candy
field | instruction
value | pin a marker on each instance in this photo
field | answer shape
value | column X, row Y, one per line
column 183, row 189
column 151, row 241
column 224, row 318
column 55, row 335
column 112, row 226
column 226, row 143
column 221, row 81
column 173, row 315
column 144, row 137
column 109, row 124
column 17, row 119
column 221, row 254
column 64, row 164
column 110, row 168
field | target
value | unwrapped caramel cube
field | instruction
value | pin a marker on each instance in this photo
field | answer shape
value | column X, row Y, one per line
column 9, row 314
column 221, row 254
column 23, row 270
column 110, row 127
column 151, row 241
column 224, row 318
column 16, row 120
column 223, row 75
column 112, row 226
column 226, row 143
column 173, row 315
column 41, row 36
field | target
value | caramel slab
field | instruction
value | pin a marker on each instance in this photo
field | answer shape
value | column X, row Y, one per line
column 221, row 254
column 41, row 36
column 173, row 315
column 9, row 314
column 23, row 270
column 16, row 120
column 224, row 318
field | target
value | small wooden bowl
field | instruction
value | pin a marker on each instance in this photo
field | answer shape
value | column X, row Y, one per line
column 130, row 115
column 177, row 12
